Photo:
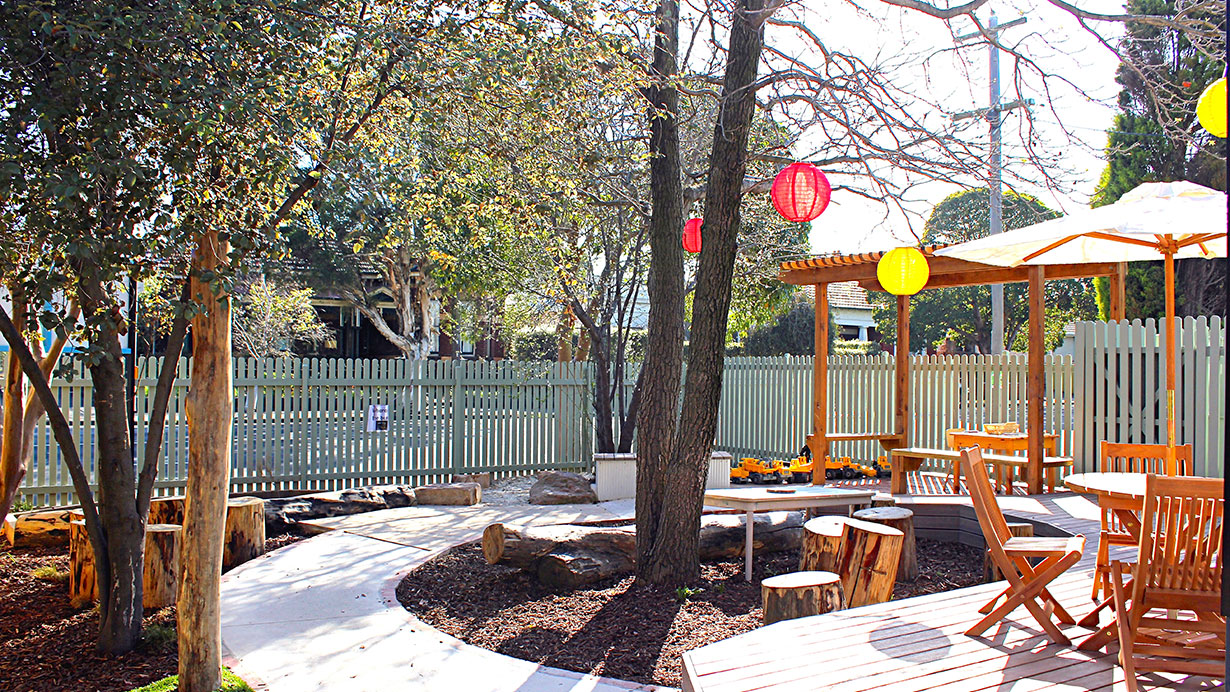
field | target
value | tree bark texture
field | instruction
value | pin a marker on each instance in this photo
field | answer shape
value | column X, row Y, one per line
column 800, row 594
column 670, row 554
column 667, row 518
column 162, row 565
column 119, row 585
column 12, row 461
column 866, row 556
column 245, row 530
column 901, row 519
column 572, row 555
column 209, row 446
column 167, row 510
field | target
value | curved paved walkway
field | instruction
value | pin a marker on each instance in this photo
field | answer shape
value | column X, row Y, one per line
column 321, row 614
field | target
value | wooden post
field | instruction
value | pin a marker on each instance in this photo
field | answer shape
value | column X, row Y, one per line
column 1169, row 251
column 82, row 579
column 901, row 390
column 818, row 442
column 800, row 594
column 209, row 404
column 1118, row 291
column 1036, row 387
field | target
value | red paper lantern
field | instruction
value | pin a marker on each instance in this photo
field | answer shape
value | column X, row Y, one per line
column 691, row 235
column 801, row 192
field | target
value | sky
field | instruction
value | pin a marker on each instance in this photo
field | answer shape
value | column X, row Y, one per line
column 959, row 80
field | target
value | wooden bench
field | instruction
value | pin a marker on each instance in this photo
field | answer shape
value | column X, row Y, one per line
column 908, row 459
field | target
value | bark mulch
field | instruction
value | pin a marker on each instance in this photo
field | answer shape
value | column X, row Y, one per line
column 617, row 628
column 48, row 646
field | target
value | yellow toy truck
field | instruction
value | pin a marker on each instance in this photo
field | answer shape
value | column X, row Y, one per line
column 752, row 470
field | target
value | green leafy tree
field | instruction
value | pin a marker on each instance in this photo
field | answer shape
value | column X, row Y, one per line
column 1155, row 137
column 269, row 318
column 964, row 313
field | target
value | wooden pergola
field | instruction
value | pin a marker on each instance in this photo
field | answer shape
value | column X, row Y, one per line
column 945, row 272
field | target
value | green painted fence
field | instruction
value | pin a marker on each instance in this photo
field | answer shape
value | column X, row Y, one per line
column 301, row 424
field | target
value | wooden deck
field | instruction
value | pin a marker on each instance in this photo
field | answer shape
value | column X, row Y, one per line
column 919, row 643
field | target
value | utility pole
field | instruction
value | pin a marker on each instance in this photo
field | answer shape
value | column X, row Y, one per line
column 995, row 181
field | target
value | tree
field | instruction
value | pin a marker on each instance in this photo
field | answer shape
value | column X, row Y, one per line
column 964, row 313
column 270, row 317
column 1155, row 137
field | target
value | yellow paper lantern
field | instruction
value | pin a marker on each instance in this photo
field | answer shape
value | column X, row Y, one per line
column 903, row 271
column 1211, row 108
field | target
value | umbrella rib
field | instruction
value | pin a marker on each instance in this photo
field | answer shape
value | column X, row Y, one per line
column 1121, row 239
column 1200, row 239
column 1048, row 248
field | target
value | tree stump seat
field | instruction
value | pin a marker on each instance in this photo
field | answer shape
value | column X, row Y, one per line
column 901, row 519
column 800, row 594
column 866, row 555
column 160, row 573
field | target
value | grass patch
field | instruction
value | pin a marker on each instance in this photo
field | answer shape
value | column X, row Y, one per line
column 51, row 574
column 230, row 683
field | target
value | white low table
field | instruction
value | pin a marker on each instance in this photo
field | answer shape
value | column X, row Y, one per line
column 754, row 500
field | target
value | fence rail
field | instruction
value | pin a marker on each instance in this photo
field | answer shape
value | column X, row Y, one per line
column 302, row 424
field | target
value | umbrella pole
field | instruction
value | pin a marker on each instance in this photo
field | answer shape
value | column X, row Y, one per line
column 1170, row 361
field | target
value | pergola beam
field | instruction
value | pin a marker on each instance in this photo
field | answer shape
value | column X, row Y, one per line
column 946, row 271
column 1006, row 275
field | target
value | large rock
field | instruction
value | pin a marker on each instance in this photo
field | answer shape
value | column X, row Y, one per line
column 282, row 513
column 562, row 488
column 483, row 479
column 449, row 494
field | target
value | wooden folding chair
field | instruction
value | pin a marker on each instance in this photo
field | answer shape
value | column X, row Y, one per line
column 1167, row 615
column 1026, row 583
column 1121, row 457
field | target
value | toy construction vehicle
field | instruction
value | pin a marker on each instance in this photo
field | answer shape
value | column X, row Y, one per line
column 752, row 470
column 798, row 470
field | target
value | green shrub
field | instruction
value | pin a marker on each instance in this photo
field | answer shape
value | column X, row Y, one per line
column 159, row 636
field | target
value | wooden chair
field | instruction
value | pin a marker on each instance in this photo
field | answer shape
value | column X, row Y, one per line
column 1167, row 615
column 1120, row 457
column 1026, row 583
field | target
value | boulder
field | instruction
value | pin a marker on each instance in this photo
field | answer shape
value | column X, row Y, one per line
column 562, row 488
column 282, row 513
column 449, row 494
column 483, row 479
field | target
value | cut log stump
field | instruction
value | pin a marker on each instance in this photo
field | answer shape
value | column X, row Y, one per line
column 245, row 530
column 44, row 528
column 1020, row 529
column 161, row 570
column 82, row 580
column 570, row 555
column 160, row 573
column 901, row 519
column 799, row 594
column 167, row 510
column 866, row 555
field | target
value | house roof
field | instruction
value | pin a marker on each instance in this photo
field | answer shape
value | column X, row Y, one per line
column 843, row 294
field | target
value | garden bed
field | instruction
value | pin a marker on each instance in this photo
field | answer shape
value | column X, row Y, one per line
column 617, row 628
column 46, row 645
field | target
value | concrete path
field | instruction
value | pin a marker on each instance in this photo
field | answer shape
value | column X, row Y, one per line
column 321, row 614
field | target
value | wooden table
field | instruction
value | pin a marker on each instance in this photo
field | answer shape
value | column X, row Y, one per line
column 1000, row 442
column 1124, row 495
column 754, row 500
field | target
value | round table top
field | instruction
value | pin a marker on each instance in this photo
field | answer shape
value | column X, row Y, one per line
column 1130, row 485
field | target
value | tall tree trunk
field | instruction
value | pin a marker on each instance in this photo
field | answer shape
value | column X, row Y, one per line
column 119, row 587
column 671, row 477
column 12, row 461
column 659, row 505
column 209, row 409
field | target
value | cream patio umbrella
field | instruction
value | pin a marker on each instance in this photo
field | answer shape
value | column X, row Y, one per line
column 1178, row 220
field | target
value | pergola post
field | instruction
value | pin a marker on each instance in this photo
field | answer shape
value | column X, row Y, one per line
column 1036, row 387
column 1118, row 291
column 818, row 442
column 901, row 390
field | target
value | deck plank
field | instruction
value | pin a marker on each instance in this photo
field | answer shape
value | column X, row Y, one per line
column 919, row 643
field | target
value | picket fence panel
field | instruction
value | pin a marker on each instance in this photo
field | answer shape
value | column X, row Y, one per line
column 301, row 424
column 1121, row 393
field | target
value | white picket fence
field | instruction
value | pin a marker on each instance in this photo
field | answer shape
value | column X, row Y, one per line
column 302, row 423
